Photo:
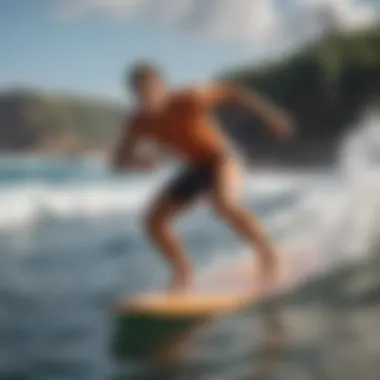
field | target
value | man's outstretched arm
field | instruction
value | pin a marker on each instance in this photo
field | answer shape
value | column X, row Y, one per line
column 276, row 119
column 124, row 157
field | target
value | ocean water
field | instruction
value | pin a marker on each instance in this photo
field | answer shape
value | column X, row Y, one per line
column 72, row 243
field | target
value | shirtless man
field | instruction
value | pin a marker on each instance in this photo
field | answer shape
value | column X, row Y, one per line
column 181, row 122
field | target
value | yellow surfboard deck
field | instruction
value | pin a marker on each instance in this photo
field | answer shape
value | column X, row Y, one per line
column 149, row 320
column 218, row 291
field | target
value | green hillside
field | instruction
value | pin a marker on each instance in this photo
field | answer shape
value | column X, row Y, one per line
column 325, row 85
column 32, row 120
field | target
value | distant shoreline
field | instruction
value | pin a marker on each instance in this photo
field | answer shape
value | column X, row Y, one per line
column 101, row 156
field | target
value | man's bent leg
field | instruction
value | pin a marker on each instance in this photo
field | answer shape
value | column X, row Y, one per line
column 161, row 233
column 246, row 225
column 228, row 205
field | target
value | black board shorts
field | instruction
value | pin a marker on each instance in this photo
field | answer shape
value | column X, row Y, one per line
column 191, row 182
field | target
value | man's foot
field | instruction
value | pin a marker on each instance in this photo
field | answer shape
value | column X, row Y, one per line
column 268, row 275
column 181, row 282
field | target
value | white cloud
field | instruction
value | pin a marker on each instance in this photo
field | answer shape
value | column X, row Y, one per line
column 263, row 22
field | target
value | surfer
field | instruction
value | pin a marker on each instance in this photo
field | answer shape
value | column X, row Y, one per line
column 180, row 120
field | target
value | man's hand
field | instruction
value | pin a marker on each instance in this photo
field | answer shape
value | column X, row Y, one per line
column 282, row 125
column 125, row 157
column 146, row 163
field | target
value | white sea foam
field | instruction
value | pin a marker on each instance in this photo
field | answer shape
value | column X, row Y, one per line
column 339, row 212
column 337, row 216
column 26, row 203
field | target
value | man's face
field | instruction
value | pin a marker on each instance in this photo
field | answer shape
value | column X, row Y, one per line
column 150, row 89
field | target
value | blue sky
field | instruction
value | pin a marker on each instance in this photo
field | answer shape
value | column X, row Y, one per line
column 89, row 56
column 85, row 45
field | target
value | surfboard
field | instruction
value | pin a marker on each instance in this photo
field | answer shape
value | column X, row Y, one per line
column 148, row 321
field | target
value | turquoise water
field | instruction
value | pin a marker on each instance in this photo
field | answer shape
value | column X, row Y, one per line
column 72, row 244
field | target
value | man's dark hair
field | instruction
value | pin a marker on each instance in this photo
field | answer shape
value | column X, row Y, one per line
column 142, row 71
